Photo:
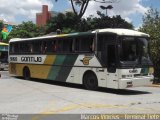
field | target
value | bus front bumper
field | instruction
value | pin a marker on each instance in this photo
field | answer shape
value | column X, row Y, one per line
column 135, row 82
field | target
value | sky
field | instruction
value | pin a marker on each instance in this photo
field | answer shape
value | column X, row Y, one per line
column 16, row 11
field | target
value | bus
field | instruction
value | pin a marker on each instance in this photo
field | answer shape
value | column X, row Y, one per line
column 111, row 58
column 3, row 56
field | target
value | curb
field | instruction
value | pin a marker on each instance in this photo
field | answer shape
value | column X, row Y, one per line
column 154, row 85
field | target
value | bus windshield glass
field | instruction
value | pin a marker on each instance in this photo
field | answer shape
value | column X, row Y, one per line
column 134, row 49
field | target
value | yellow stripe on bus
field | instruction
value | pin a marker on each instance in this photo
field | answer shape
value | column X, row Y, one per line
column 37, row 71
column 50, row 59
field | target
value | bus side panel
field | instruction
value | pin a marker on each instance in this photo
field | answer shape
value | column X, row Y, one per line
column 39, row 71
column 36, row 71
column 65, row 68
column 76, row 76
column 87, row 63
column 62, row 67
column 12, row 68
column 55, row 67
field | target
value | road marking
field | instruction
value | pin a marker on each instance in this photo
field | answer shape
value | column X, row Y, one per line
column 146, row 109
column 77, row 106
column 51, row 111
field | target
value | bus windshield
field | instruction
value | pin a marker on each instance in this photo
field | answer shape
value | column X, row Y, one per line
column 134, row 49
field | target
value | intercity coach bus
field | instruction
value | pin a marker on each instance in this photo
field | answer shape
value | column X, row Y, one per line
column 3, row 56
column 111, row 58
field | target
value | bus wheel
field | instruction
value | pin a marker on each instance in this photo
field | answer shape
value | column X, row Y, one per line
column 26, row 73
column 90, row 81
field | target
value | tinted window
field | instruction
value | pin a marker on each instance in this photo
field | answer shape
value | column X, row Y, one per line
column 106, row 49
column 56, row 45
column 84, row 44
column 67, row 45
column 133, row 48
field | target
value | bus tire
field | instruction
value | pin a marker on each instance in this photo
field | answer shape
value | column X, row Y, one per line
column 90, row 81
column 26, row 73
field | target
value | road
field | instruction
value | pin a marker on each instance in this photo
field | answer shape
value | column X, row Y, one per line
column 18, row 96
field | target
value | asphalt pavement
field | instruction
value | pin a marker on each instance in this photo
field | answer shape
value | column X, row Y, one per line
column 18, row 96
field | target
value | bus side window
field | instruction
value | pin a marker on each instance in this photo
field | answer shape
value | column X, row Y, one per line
column 54, row 46
column 73, row 45
column 76, row 44
column 92, row 45
column 36, row 46
column 59, row 47
column 48, row 46
column 86, row 44
column 16, row 48
column 31, row 48
column 12, row 48
column 82, row 44
column 43, row 47
column 67, row 45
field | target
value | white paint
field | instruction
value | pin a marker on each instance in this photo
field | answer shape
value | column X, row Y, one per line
column 32, row 59
column 122, row 32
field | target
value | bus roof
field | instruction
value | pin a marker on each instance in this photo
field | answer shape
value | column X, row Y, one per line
column 118, row 31
column 2, row 43
column 52, row 36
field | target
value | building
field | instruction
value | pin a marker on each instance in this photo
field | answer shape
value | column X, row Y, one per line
column 42, row 18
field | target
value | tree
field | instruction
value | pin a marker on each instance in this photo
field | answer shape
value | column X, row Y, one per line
column 26, row 30
column 108, row 22
column 151, row 25
column 65, row 22
column 68, row 23
column 1, row 26
column 83, row 4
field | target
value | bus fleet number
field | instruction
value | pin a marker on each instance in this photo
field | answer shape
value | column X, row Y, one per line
column 13, row 58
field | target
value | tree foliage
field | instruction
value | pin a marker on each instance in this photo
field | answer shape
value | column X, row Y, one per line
column 108, row 22
column 26, row 30
column 65, row 22
column 69, row 23
column 151, row 25
column 1, row 26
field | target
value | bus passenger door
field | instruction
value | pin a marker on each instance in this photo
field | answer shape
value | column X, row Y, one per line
column 110, row 59
column 106, row 52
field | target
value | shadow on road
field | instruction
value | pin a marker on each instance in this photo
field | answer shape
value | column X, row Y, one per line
column 77, row 86
column 123, row 91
